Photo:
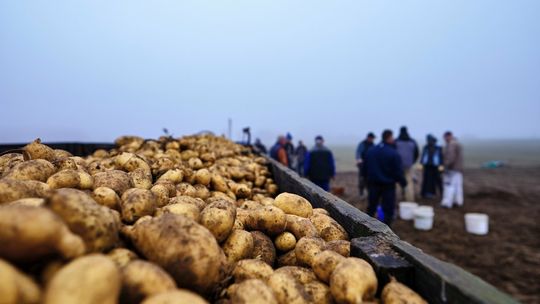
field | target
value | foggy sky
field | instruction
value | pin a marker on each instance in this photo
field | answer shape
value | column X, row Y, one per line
column 93, row 70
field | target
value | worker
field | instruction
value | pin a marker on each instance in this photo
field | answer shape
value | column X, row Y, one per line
column 432, row 164
column 408, row 151
column 278, row 151
column 259, row 146
column 300, row 154
column 361, row 152
column 383, row 170
column 453, row 172
column 320, row 166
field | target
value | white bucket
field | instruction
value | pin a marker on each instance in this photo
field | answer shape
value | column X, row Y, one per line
column 406, row 210
column 477, row 223
column 423, row 218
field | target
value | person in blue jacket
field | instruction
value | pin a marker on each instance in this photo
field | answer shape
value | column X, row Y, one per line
column 319, row 165
column 383, row 170
column 361, row 152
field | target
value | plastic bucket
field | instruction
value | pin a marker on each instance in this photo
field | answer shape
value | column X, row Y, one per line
column 423, row 218
column 406, row 210
column 477, row 223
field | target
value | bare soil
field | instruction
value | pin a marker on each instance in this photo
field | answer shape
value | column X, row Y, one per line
column 509, row 256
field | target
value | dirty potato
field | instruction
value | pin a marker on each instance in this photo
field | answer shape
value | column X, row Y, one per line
column 136, row 203
column 141, row 279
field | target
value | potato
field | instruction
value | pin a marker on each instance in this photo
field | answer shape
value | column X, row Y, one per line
column 87, row 181
column 161, row 193
column 252, row 291
column 37, row 150
column 17, row 287
column 50, row 270
column 187, row 250
column 395, row 293
column 64, row 179
column 184, row 209
column 195, row 163
column 293, row 204
column 238, row 246
column 301, row 274
column 186, row 189
column 328, row 228
column 129, row 142
column 64, row 163
column 203, row 177
column 97, row 225
column 184, row 199
column 286, row 289
column 324, row 264
column 249, row 205
column 121, row 256
column 38, row 170
column 130, row 162
column 219, row 184
column 8, row 161
column 285, row 241
column 306, row 249
column 136, row 203
column 287, row 259
column 241, row 190
column 141, row 178
column 141, row 279
column 201, row 191
column 89, row 279
column 117, row 180
column 173, row 175
column 353, row 281
column 106, row 197
column 12, row 190
column 263, row 248
column 218, row 217
column 268, row 219
column 340, row 246
column 31, row 201
column 300, row 226
column 251, row 269
column 318, row 292
column 29, row 234
column 179, row 296
column 320, row 211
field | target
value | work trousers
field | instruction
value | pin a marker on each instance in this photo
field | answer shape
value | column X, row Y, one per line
column 384, row 194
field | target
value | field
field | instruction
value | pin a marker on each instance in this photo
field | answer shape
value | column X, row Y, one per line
column 509, row 256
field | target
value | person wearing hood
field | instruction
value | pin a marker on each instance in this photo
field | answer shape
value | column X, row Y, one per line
column 408, row 151
column 319, row 165
column 453, row 172
column 360, row 157
column 278, row 151
column 432, row 162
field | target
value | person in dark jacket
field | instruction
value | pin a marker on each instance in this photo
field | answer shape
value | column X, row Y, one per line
column 361, row 152
column 320, row 166
column 259, row 146
column 289, row 148
column 278, row 151
column 432, row 161
column 383, row 170
column 300, row 154
column 408, row 151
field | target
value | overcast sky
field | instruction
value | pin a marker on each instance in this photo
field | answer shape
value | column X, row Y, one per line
column 93, row 70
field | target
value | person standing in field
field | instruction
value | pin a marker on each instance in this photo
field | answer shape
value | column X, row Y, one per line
column 259, row 146
column 319, row 164
column 408, row 151
column 432, row 163
column 383, row 170
column 300, row 154
column 453, row 172
column 361, row 152
column 278, row 151
column 289, row 148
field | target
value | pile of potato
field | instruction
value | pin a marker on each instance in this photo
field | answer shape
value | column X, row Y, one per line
column 188, row 220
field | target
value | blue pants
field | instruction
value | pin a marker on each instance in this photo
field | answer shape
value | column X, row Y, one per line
column 385, row 194
column 325, row 184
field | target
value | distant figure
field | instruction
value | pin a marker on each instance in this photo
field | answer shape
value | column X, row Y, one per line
column 278, row 151
column 408, row 151
column 289, row 148
column 453, row 168
column 361, row 152
column 383, row 170
column 432, row 161
column 259, row 146
column 300, row 154
column 319, row 165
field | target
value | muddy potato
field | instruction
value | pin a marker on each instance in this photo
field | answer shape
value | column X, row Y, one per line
column 136, row 203
column 340, row 246
column 320, row 211
column 130, row 162
column 175, row 176
column 161, row 193
column 178, row 296
column 184, row 199
column 396, row 293
column 203, row 177
column 251, row 269
column 87, row 181
column 64, row 179
column 38, row 170
column 286, row 289
column 12, row 190
column 287, row 259
column 185, row 249
column 195, row 163
column 31, row 201
column 141, row 178
column 318, row 293
column 106, row 197
column 28, row 234
column 328, row 228
column 324, row 264
column 201, row 191
column 252, row 291
column 37, row 150
column 241, row 190
column 16, row 287
column 219, row 196
column 186, row 189
column 184, row 209
column 238, row 246
column 122, row 256
column 285, row 241
column 117, row 180
column 219, row 183
column 89, row 279
column 301, row 274
column 293, row 204
column 249, row 205
column 218, row 217
column 353, row 281
column 269, row 219
column 64, row 163
column 97, row 225
column 300, row 226
column 8, row 161
column 307, row 248
column 141, row 279
column 263, row 248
